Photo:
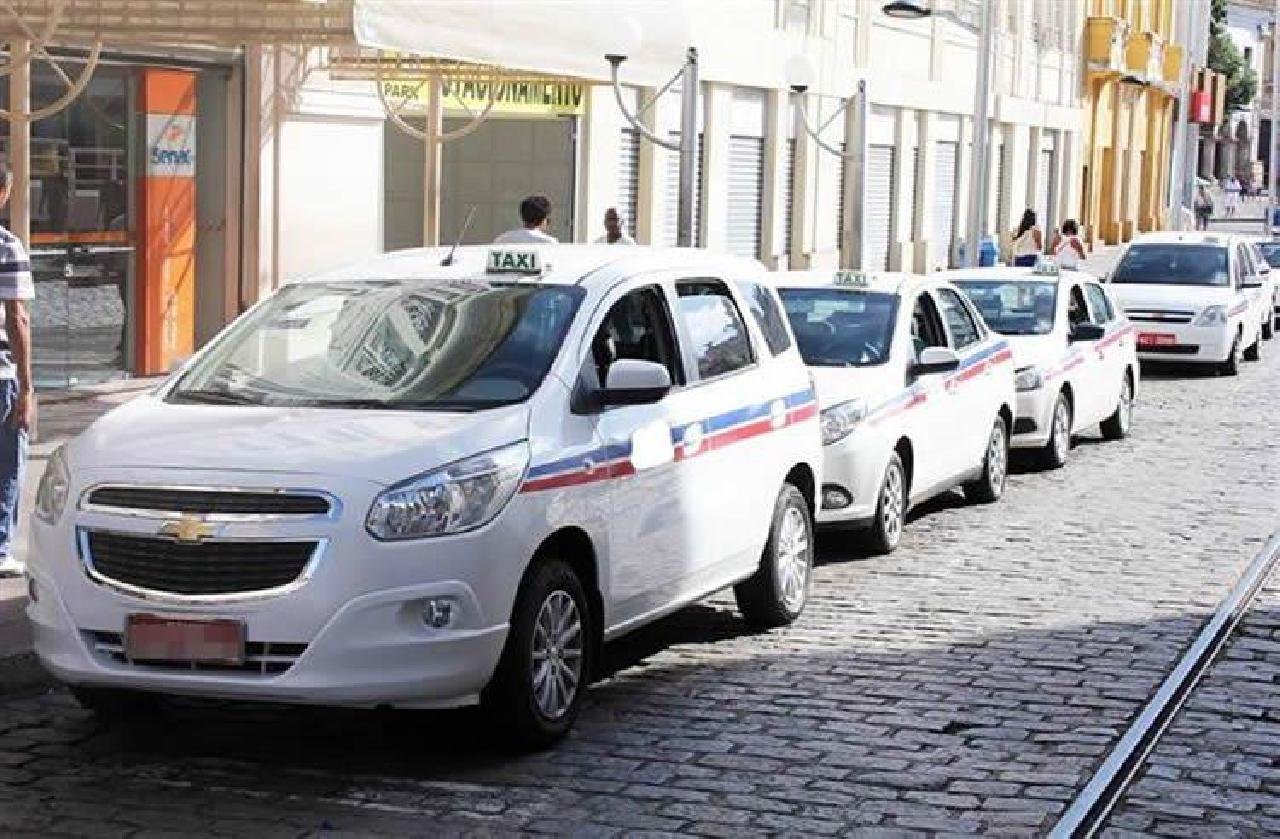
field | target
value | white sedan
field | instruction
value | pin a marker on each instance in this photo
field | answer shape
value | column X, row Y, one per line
column 916, row 394
column 1075, row 353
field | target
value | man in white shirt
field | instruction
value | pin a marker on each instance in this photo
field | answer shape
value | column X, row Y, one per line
column 535, row 212
column 17, row 395
column 613, row 232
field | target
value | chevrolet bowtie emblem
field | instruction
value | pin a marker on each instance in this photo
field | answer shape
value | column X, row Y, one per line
column 188, row 529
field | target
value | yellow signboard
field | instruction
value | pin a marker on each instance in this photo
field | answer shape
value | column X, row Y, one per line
column 524, row 98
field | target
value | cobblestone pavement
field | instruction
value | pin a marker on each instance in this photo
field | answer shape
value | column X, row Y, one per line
column 1216, row 771
column 969, row 683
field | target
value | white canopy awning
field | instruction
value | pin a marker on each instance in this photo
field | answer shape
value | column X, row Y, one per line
column 566, row 38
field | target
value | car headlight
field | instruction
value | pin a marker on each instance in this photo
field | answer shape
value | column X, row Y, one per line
column 461, row 496
column 838, row 421
column 55, row 484
column 1029, row 378
column 1212, row 316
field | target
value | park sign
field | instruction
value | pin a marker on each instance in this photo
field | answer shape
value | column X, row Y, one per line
column 532, row 98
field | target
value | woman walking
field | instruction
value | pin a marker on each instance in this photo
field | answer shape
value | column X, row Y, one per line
column 1028, row 241
column 1067, row 247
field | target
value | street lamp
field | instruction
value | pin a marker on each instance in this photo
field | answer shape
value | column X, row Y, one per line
column 985, row 30
column 629, row 42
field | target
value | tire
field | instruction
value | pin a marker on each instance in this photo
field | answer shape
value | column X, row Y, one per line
column 113, row 704
column 1054, row 454
column 1231, row 367
column 1268, row 329
column 1116, row 426
column 891, row 510
column 776, row 594
column 1254, row 353
column 989, row 486
column 536, row 692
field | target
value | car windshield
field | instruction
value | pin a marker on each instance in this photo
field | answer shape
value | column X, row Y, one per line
column 454, row 345
column 1271, row 253
column 841, row 328
column 1015, row 307
column 1173, row 264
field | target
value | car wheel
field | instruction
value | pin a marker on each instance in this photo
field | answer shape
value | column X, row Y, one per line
column 115, row 704
column 776, row 594
column 1254, row 353
column 891, row 509
column 990, row 484
column 1231, row 366
column 1116, row 426
column 1054, row 454
column 536, row 693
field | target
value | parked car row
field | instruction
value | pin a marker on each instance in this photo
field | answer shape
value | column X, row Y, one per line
column 434, row 480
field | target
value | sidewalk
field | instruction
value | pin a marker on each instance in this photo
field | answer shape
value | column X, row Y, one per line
column 62, row 416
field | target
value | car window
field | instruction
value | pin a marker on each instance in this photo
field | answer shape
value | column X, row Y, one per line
column 1162, row 263
column 841, row 327
column 1270, row 252
column 638, row 327
column 1015, row 307
column 1260, row 263
column 1099, row 304
column 1077, row 309
column 715, row 329
column 764, row 308
column 926, row 325
column 964, row 329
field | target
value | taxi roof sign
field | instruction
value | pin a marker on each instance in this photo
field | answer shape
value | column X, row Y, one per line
column 525, row 262
column 852, row 279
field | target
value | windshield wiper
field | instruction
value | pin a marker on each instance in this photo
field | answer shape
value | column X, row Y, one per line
column 214, row 397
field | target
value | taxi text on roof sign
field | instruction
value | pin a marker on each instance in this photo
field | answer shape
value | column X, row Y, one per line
column 855, row 279
column 504, row 261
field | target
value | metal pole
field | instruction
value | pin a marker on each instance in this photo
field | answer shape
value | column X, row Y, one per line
column 1273, row 162
column 1175, row 202
column 981, row 135
column 20, row 144
column 431, row 165
column 686, row 235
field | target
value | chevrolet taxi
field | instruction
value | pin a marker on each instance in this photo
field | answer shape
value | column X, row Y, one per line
column 1073, row 352
column 1192, row 297
column 916, row 394
column 432, row 480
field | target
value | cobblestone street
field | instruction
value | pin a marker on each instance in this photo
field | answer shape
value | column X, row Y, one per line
column 969, row 683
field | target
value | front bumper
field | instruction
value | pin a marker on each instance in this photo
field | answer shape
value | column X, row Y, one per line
column 1205, row 344
column 353, row 630
column 856, row 466
column 1035, row 415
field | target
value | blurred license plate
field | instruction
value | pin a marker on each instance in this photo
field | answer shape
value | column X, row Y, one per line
column 1156, row 339
column 153, row 638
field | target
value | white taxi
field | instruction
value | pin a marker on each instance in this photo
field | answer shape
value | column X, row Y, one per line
column 428, row 482
column 916, row 394
column 1192, row 297
column 1073, row 351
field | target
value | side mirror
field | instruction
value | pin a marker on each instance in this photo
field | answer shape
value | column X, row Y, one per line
column 1087, row 332
column 936, row 360
column 634, row 382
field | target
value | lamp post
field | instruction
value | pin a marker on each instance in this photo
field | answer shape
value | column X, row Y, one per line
column 1273, row 136
column 979, row 165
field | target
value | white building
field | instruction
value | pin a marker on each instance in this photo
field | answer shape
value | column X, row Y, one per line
column 1249, row 27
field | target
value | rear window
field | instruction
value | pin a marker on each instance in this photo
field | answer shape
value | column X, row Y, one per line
column 841, row 328
column 1173, row 264
column 764, row 308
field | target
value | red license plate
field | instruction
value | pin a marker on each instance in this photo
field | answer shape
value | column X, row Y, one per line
column 1156, row 339
column 157, row 639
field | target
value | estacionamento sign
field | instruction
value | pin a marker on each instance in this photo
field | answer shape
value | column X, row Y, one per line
column 529, row 98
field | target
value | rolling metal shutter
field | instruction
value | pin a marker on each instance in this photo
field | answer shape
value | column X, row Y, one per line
column 909, row 177
column 840, row 210
column 629, row 179
column 880, row 204
column 746, row 196
column 1044, row 195
column 673, row 193
column 944, row 199
column 1001, row 176
column 788, row 198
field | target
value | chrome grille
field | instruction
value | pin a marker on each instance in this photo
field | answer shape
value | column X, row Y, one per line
column 209, row 502
column 159, row 564
column 1159, row 315
column 262, row 658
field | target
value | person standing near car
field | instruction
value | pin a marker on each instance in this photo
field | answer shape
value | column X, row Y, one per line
column 613, row 232
column 1067, row 248
column 1028, row 241
column 535, row 213
column 17, row 392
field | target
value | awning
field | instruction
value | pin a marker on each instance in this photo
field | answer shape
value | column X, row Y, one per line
column 564, row 38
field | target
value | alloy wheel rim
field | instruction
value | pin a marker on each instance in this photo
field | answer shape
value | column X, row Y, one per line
column 793, row 559
column 891, row 502
column 557, row 654
column 1061, row 430
column 1126, row 406
column 995, row 457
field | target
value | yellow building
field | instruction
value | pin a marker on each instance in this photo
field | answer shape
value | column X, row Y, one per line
column 1132, row 74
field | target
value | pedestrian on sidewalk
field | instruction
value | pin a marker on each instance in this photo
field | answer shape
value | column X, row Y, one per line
column 1028, row 241
column 17, row 393
column 1231, row 192
column 613, row 232
column 535, row 214
column 1203, row 207
column 1067, row 248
